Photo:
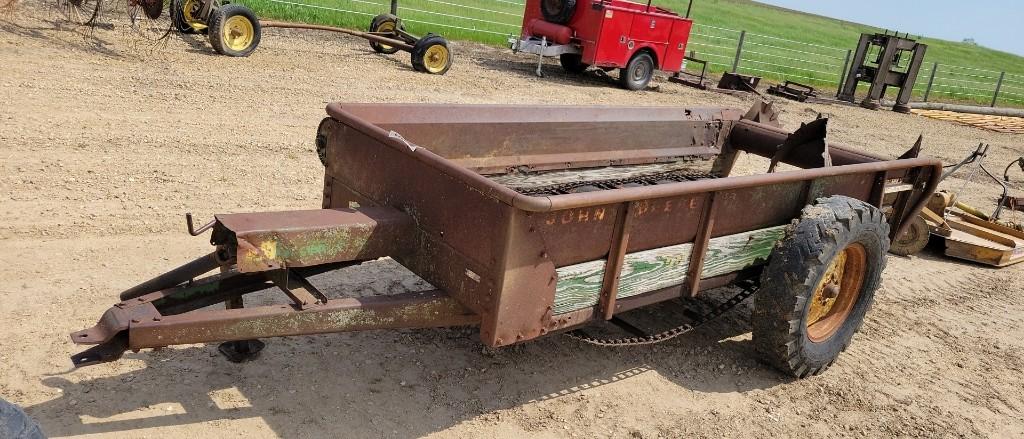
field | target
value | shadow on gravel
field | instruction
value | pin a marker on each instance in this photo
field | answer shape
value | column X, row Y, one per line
column 76, row 37
column 389, row 383
column 552, row 72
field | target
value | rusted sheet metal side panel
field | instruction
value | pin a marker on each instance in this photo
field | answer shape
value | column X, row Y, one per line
column 459, row 226
column 408, row 310
column 498, row 147
column 303, row 238
column 523, row 307
column 491, row 139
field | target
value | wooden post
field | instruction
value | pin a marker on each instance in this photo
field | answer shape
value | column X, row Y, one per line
column 999, row 84
column 931, row 80
column 394, row 7
column 739, row 51
column 616, row 255
column 700, row 247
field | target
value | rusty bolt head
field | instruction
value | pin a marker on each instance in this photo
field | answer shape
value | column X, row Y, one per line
column 831, row 291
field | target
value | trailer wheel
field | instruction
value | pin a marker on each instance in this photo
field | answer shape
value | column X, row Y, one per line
column 638, row 72
column 431, row 55
column 234, row 30
column 557, row 11
column 183, row 14
column 572, row 63
column 913, row 239
column 820, row 281
column 385, row 23
column 15, row 424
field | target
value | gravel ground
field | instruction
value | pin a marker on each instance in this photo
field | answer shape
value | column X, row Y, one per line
column 106, row 140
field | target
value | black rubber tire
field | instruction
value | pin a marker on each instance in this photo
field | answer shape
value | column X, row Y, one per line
column 638, row 72
column 557, row 11
column 572, row 63
column 221, row 15
column 177, row 12
column 375, row 24
column 15, row 424
column 795, row 268
column 419, row 50
column 913, row 239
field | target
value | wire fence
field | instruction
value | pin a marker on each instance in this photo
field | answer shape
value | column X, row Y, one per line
column 724, row 49
column 823, row 66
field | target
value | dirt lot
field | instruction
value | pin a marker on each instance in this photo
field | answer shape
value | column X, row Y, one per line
column 106, row 142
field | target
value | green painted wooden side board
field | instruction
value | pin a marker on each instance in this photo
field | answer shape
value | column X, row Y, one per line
column 579, row 286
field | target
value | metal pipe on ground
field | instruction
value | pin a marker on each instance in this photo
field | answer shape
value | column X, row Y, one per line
column 174, row 277
column 989, row 111
column 372, row 37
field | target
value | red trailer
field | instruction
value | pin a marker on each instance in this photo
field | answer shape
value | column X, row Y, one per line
column 635, row 38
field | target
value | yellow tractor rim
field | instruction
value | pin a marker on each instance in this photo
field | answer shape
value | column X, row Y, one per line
column 436, row 58
column 187, row 9
column 389, row 27
column 837, row 293
column 238, row 33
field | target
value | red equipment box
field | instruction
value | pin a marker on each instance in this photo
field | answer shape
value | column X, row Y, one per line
column 608, row 34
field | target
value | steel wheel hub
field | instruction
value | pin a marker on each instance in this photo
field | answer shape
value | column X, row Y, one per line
column 238, row 32
column 836, row 293
column 435, row 58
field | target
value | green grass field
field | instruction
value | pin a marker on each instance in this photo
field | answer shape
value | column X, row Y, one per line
column 780, row 44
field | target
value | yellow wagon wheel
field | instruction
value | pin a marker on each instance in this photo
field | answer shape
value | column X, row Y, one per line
column 186, row 16
column 235, row 31
column 386, row 24
column 431, row 55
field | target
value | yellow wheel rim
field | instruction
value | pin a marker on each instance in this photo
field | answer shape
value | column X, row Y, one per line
column 389, row 27
column 238, row 33
column 436, row 58
column 187, row 9
column 837, row 293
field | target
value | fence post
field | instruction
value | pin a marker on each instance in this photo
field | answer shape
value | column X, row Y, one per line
column 842, row 73
column 931, row 80
column 739, row 51
column 999, row 84
column 394, row 7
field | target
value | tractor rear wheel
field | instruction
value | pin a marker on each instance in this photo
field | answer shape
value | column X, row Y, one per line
column 234, row 31
column 819, row 282
column 385, row 23
column 638, row 72
column 557, row 11
column 913, row 239
column 572, row 63
column 431, row 55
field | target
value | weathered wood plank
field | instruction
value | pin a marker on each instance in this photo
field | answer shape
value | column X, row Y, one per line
column 579, row 285
column 536, row 179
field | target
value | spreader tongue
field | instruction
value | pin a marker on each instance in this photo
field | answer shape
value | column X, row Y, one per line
column 102, row 353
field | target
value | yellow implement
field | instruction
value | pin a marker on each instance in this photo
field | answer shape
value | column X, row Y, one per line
column 968, row 233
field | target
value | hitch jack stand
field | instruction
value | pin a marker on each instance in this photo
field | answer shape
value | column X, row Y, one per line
column 240, row 351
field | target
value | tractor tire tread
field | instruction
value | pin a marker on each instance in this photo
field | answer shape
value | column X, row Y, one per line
column 794, row 269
